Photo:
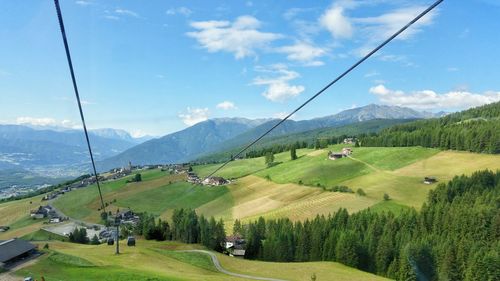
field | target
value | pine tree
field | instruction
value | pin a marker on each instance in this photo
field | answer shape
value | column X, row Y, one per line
column 95, row 240
column 293, row 153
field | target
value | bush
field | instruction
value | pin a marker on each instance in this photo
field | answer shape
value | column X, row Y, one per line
column 360, row 192
column 137, row 178
column 386, row 197
column 342, row 188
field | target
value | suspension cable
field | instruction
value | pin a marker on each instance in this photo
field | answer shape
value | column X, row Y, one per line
column 75, row 87
column 426, row 11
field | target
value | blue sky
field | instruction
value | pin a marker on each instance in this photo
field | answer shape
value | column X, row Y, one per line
column 154, row 67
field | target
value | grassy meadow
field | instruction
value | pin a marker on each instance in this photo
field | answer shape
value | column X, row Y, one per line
column 155, row 261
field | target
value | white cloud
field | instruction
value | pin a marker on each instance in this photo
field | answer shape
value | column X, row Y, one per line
column 46, row 122
column 378, row 28
column 334, row 21
column 304, row 53
column 194, row 115
column 241, row 37
column 452, row 69
column 372, row 30
column 278, row 88
column 179, row 11
column 83, row 2
column 226, row 105
column 428, row 99
column 127, row 13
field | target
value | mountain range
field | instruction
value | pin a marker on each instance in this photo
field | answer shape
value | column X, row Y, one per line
column 60, row 152
column 216, row 135
column 54, row 152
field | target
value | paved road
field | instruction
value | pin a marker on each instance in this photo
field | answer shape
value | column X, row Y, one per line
column 217, row 265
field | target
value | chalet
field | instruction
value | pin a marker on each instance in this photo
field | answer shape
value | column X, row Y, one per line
column 216, row 181
column 347, row 151
column 235, row 246
column 14, row 250
column 43, row 212
column 193, row 178
column 335, row 155
column 238, row 253
column 430, row 180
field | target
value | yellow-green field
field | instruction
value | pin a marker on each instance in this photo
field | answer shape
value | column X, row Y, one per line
column 161, row 261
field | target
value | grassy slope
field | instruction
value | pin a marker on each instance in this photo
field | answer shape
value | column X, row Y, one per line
column 84, row 203
column 253, row 196
column 396, row 171
column 404, row 185
column 15, row 210
column 240, row 168
column 157, row 261
column 169, row 197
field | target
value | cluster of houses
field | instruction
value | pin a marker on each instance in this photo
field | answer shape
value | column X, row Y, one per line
column 235, row 246
column 213, row 181
column 127, row 217
column 346, row 151
column 46, row 212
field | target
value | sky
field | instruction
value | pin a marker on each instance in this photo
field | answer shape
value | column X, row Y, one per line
column 156, row 67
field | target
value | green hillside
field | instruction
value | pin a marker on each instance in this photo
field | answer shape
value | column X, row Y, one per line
column 476, row 130
column 309, row 136
column 297, row 189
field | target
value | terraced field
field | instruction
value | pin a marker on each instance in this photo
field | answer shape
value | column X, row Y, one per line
column 254, row 196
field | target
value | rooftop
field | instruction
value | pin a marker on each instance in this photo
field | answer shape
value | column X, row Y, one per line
column 12, row 248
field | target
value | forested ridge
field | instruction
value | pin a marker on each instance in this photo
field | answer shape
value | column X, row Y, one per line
column 475, row 130
column 455, row 236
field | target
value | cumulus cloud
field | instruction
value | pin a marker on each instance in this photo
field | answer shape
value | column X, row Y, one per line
column 194, row 115
column 179, row 11
column 226, row 105
column 336, row 22
column 372, row 30
column 304, row 53
column 241, row 37
column 277, row 79
column 381, row 27
column 429, row 100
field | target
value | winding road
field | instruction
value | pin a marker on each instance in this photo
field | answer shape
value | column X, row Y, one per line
column 218, row 266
